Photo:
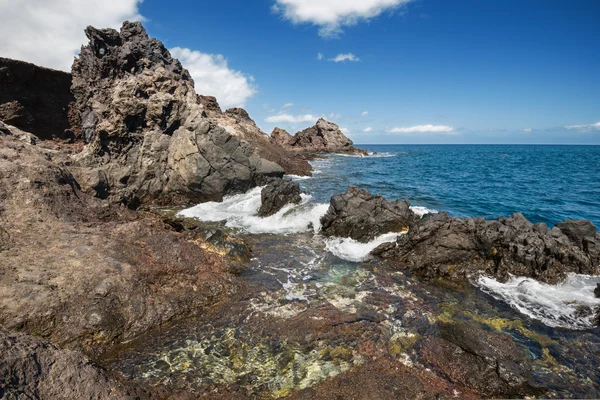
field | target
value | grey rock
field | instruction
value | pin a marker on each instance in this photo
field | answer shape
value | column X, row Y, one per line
column 359, row 215
column 277, row 194
column 577, row 230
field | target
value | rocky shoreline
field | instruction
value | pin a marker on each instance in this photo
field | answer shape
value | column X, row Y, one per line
column 87, row 265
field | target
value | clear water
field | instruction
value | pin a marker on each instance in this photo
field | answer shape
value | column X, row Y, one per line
column 546, row 183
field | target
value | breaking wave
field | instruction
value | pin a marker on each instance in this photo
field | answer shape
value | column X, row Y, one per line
column 351, row 250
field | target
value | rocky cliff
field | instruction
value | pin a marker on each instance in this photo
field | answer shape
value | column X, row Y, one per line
column 324, row 137
column 146, row 131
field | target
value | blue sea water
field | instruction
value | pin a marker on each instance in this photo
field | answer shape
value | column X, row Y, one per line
column 546, row 183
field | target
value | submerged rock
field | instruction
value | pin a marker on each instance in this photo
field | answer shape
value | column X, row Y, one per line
column 277, row 194
column 34, row 369
column 324, row 137
column 146, row 128
column 359, row 215
column 597, row 291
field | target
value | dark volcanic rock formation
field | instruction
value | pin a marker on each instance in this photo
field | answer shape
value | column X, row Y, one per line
column 359, row 215
column 444, row 246
column 33, row 369
column 146, row 129
column 324, row 137
column 37, row 100
column 277, row 194
column 86, row 274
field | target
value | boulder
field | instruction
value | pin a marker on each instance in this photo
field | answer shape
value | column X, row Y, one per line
column 324, row 137
column 147, row 131
column 277, row 194
column 37, row 100
column 31, row 368
column 359, row 215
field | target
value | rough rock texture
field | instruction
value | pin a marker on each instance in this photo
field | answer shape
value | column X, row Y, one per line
column 146, row 130
column 359, row 215
column 37, row 100
column 444, row 246
column 237, row 122
column 490, row 363
column 277, row 194
column 86, row 274
column 33, row 369
column 324, row 137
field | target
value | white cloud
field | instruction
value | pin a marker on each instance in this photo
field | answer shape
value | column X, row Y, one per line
column 364, row 113
column 287, row 105
column 213, row 77
column 587, row 127
column 345, row 130
column 344, row 57
column 290, row 119
column 423, row 129
column 50, row 32
column 527, row 130
column 369, row 129
column 320, row 56
column 334, row 116
column 332, row 15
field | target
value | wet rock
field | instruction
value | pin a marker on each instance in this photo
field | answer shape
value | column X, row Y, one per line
column 359, row 215
column 324, row 137
column 490, row 363
column 444, row 246
column 37, row 100
column 34, row 369
column 277, row 194
column 145, row 127
column 597, row 291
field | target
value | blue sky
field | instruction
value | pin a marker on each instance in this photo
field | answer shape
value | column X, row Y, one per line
column 424, row 71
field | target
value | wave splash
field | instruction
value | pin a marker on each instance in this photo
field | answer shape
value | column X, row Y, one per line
column 570, row 304
column 351, row 250
column 239, row 211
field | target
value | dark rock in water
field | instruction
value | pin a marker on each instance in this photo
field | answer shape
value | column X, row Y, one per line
column 34, row 369
column 597, row 291
column 490, row 363
column 325, row 137
column 359, row 215
column 455, row 247
column 277, row 194
column 146, row 128
column 235, row 248
column 37, row 100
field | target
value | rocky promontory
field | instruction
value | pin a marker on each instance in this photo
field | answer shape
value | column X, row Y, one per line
column 323, row 137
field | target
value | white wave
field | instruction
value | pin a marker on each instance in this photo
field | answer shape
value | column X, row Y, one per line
column 382, row 155
column 239, row 211
column 352, row 250
column 298, row 177
column 569, row 304
column 420, row 211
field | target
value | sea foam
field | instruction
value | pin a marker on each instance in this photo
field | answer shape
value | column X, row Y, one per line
column 566, row 305
column 351, row 250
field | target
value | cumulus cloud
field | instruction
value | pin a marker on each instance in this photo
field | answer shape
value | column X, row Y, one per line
column 345, row 130
column 290, row 119
column 369, row 129
column 320, row 56
column 332, row 15
column 364, row 113
column 50, row 32
column 588, row 127
column 345, row 57
column 213, row 77
column 423, row 129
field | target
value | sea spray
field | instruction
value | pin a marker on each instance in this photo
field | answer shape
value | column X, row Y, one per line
column 351, row 250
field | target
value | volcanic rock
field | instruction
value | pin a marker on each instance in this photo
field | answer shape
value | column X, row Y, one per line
column 277, row 194
column 37, row 100
column 359, row 215
column 597, row 291
column 324, row 137
column 145, row 127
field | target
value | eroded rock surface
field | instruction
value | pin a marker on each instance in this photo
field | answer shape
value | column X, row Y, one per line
column 324, row 137
column 277, row 194
column 147, row 132
column 359, row 215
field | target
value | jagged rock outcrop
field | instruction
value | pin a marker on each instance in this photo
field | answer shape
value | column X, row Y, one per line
column 37, row 100
column 457, row 247
column 31, row 368
column 324, row 137
column 277, row 194
column 84, row 273
column 359, row 215
column 146, row 129
column 238, row 123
